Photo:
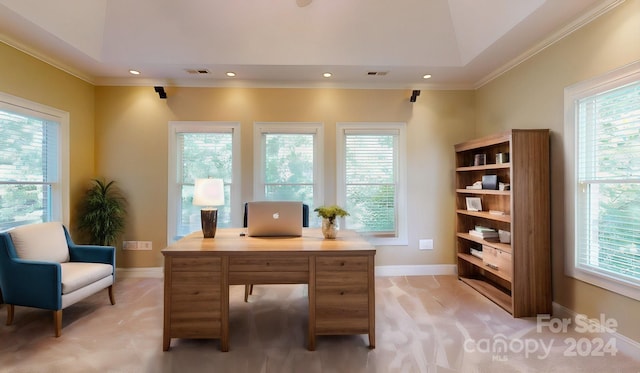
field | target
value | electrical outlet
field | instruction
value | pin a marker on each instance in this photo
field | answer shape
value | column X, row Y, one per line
column 144, row 245
column 137, row 245
column 426, row 244
column 129, row 245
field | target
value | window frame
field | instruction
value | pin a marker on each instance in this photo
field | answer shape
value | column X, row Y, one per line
column 316, row 128
column 60, row 188
column 173, row 190
column 572, row 94
column 401, row 238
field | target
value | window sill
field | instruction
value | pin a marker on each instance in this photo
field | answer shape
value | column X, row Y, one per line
column 605, row 282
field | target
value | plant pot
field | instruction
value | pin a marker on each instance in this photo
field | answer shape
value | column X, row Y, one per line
column 329, row 230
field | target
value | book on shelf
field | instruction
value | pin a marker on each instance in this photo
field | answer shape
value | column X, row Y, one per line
column 476, row 185
column 483, row 232
column 475, row 252
column 481, row 228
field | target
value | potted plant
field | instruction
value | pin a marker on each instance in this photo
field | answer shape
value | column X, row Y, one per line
column 103, row 213
column 328, row 215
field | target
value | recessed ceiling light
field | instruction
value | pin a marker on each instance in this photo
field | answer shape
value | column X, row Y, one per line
column 231, row 74
column 426, row 76
column 327, row 75
column 134, row 72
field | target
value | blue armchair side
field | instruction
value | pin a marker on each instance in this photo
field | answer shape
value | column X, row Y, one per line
column 34, row 283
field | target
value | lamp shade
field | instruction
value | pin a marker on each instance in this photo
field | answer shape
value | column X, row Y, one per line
column 208, row 192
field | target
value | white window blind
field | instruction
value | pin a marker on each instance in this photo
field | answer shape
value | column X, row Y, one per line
column 608, row 178
column 371, row 178
column 371, row 170
column 30, row 175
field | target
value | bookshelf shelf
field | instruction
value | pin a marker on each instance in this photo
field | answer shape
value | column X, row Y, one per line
column 486, row 215
column 484, row 191
column 490, row 291
column 493, row 243
column 494, row 166
column 478, row 262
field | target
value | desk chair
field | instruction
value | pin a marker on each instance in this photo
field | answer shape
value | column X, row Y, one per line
column 248, row 289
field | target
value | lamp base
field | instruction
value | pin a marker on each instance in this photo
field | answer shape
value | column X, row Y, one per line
column 209, row 218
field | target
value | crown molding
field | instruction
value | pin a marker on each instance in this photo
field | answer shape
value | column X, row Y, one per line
column 565, row 31
column 46, row 59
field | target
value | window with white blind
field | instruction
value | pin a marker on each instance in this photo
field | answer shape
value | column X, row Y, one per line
column 33, row 163
column 605, row 118
column 372, row 180
column 288, row 163
column 201, row 150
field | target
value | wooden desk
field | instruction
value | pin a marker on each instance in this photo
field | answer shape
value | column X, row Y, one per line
column 198, row 272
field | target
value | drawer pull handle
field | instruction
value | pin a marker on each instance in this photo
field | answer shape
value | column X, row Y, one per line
column 492, row 266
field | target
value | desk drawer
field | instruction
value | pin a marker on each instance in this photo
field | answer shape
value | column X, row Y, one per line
column 195, row 305
column 268, row 264
column 342, row 263
column 342, row 303
column 195, row 264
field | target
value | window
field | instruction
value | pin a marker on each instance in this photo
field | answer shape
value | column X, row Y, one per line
column 201, row 150
column 288, row 163
column 34, row 163
column 603, row 121
column 371, row 180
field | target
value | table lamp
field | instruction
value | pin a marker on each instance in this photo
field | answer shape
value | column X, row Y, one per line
column 209, row 193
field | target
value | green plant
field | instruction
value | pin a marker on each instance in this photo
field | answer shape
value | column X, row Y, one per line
column 331, row 212
column 103, row 213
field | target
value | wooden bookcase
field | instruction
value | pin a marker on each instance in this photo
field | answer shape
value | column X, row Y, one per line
column 515, row 275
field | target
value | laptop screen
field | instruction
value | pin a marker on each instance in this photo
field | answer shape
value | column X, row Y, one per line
column 274, row 218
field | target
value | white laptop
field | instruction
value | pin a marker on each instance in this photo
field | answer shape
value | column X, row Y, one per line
column 274, row 218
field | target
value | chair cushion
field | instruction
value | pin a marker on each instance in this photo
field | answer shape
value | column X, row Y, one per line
column 76, row 275
column 43, row 241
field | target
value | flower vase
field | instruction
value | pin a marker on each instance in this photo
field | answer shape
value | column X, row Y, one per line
column 329, row 230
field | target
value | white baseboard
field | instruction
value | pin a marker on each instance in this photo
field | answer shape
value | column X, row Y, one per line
column 149, row 272
column 624, row 344
column 416, row 270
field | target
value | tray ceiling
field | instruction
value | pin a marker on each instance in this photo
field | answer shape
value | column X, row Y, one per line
column 461, row 43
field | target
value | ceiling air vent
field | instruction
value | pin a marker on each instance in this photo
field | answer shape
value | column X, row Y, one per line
column 377, row 73
column 197, row 71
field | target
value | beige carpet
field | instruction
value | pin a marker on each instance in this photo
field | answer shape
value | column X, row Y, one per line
column 424, row 324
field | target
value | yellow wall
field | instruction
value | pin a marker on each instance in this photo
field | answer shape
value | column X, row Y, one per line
column 531, row 96
column 132, row 132
column 26, row 77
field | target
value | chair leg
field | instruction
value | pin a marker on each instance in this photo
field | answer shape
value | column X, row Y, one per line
column 57, row 322
column 248, row 289
column 10, row 311
column 112, row 298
